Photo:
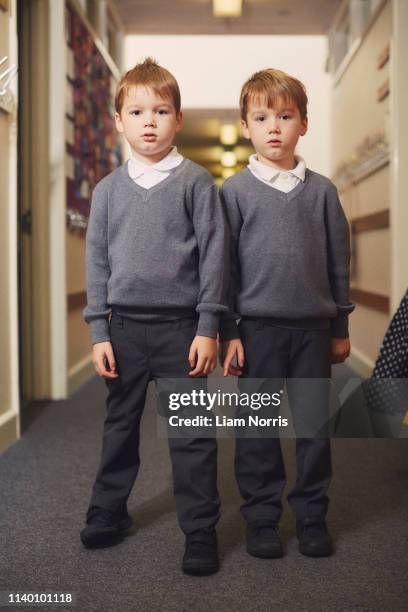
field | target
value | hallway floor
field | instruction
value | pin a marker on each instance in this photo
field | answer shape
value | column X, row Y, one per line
column 45, row 482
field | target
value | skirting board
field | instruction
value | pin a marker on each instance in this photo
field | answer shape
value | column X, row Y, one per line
column 80, row 374
column 9, row 432
column 360, row 363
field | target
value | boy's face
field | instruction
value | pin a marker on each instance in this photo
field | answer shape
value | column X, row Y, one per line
column 149, row 123
column 274, row 132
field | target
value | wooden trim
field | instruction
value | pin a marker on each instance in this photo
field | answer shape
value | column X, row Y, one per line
column 383, row 57
column 342, row 67
column 76, row 300
column 375, row 301
column 383, row 91
column 114, row 14
column 357, row 177
column 97, row 40
column 373, row 221
column 398, row 137
column 9, row 431
column 341, row 15
column 371, row 170
column 80, row 373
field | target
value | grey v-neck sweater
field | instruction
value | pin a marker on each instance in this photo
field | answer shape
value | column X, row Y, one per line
column 290, row 253
column 156, row 252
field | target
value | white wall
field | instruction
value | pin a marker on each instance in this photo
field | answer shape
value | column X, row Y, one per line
column 212, row 69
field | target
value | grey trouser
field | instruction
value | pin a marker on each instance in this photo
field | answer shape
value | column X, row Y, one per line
column 273, row 352
column 145, row 352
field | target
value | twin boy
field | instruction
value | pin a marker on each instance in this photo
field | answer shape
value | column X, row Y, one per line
column 172, row 265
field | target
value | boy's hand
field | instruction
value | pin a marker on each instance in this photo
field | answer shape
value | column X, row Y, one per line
column 340, row 349
column 102, row 356
column 230, row 350
column 203, row 355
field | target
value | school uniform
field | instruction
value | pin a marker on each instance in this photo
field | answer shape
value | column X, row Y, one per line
column 156, row 276
column 290, row 281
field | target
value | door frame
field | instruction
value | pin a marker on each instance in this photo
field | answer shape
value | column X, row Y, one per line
column 42, row 276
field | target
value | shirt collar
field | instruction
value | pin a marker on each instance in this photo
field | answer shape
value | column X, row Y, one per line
column 267, row 173
column 137, row 167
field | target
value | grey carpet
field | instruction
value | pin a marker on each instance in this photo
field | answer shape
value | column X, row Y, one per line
column 45, row 481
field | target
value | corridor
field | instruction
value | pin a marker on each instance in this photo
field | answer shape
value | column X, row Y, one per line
column 60, row 65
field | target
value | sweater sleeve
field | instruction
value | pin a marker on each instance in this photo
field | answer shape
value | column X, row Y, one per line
column 210, row 229
column 97, row 311
column 338, row 245
column 228, row 323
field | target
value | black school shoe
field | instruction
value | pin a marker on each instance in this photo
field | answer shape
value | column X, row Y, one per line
column 314, row 539
column 201, row 553
column 103, row 526
column 264, row 542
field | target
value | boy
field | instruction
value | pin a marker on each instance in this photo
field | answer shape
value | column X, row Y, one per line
column 156, row 261
column 290, row 287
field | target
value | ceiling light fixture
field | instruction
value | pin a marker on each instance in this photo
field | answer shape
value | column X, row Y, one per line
column 227, row 8
column 227, row 172
column 228, row 159
column 228, row 134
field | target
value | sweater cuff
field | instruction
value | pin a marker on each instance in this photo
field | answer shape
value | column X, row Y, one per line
column 339, row 327
column 100, row 330
column 228, row 330
column 208, row 324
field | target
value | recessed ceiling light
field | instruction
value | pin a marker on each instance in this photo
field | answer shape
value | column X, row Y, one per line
column 228, row 159
column 227, row 172
column 228, row 134
column 227, row 8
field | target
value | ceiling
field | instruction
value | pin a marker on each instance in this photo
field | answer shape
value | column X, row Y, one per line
column 195, row 17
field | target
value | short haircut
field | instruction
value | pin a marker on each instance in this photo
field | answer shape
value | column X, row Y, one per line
column 149, row 74
column 270, row 85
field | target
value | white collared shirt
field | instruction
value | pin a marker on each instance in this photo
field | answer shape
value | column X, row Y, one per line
column 148, row 175
column 284, row 180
